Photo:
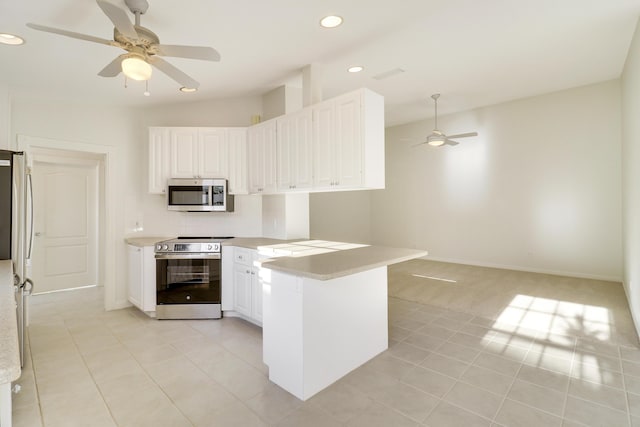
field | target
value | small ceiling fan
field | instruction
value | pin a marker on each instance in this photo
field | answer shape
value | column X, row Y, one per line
column 142, row 45
column 437, row 137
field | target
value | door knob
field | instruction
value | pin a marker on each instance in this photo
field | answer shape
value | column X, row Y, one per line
column 38, row 234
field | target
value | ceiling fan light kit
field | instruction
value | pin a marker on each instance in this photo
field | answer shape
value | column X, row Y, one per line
column 142, row 45
column 11, row 39
column 136, row 68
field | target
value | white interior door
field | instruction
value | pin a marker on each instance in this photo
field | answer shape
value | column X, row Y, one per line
column 65, row 201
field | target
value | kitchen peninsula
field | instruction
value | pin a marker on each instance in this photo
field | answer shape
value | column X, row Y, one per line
column 324, row 308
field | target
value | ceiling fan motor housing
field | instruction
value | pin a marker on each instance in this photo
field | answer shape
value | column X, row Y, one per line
column 137, row 6
column 146, row 37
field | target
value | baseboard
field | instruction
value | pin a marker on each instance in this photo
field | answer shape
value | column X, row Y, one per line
column 616, row 279
column 636, row 321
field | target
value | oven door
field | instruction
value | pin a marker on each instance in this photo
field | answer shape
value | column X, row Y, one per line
column 188, row 279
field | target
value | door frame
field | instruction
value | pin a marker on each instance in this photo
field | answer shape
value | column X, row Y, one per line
column 92, row 162
column 107, row 176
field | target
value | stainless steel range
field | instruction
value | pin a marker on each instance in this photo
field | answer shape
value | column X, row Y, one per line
column 188, row 272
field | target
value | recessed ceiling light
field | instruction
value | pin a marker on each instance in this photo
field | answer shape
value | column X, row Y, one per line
column 331, row 21
column 6, row 38
column 188, row 89
column 355, row 69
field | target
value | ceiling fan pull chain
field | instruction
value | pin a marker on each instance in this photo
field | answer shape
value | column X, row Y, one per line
column 125, row 81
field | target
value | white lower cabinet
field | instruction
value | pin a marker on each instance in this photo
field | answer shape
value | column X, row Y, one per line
column 241, row 284
column 142, row 277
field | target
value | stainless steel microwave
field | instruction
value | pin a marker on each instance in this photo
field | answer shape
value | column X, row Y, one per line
column 199, row 195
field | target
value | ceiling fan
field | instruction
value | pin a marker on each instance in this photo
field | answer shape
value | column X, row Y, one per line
column 142, row 45
column 437, row 137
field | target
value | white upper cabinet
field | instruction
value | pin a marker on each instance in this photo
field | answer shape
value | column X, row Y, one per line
column 334, row 145
column 159, row 151
column 182, row 152
column 213, row 158
column 262, row 157
column 199, row 153
column 348, row 142
column 238, row 176
column 294, row 151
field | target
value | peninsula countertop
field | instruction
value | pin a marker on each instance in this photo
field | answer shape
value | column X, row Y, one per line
column 339, row 263
column 9, row 352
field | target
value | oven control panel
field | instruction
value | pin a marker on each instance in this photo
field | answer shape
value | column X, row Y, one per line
column 181, row 247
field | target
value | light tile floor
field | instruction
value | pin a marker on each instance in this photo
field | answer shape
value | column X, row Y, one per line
column 469, row 346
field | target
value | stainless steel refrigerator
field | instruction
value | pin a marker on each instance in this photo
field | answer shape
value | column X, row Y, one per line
column 16, row 230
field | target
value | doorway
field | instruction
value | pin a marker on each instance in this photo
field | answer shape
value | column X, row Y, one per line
column 66, row 202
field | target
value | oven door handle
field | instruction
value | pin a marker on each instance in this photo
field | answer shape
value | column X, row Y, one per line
column 188, row 256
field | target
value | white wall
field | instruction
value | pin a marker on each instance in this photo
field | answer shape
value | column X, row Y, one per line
column 631, row 175
column 5, row 118
column 538, row 189
column 343, row 216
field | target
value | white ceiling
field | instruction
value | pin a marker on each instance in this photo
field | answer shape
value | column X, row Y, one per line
column 474, row 52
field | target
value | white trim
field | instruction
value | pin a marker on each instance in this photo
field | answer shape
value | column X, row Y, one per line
column 108, row 242
column 526, row 269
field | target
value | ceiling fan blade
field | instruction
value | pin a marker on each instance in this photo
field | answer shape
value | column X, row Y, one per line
column 173, row 72
column 191, row 52
column 119, row 18
column 419, row 144
column 71, row 34
column 113, row 68
column 463, row 135
column 451, row 142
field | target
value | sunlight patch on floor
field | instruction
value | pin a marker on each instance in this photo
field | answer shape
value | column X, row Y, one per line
column 551, row 327
column 435, row 278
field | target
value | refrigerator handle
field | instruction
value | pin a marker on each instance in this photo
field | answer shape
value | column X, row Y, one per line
column 27, row 287
column 30, row 201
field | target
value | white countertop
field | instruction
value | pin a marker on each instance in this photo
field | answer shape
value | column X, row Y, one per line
column 252, row 242
column 9, row 352
column 144, row 241
column 330, row 260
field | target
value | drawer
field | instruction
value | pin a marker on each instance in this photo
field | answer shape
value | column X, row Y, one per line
column 242, row 256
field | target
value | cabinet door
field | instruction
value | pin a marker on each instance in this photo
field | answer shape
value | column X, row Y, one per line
column 256, row 295
column 285, row 153
column 304, row 149
column 135, row 279
column 255, row 153
column 349, row 140
column 238, row 179
column 293, row 147
column 324, row 144
column 148, row 279
column 270, row 157
column 242, row 289
column 262, row 153
column 212, row 158
column 184, row 149
column 159, row 153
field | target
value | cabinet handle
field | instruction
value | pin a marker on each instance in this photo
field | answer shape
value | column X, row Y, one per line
column 248, row 272
column 253, row 273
